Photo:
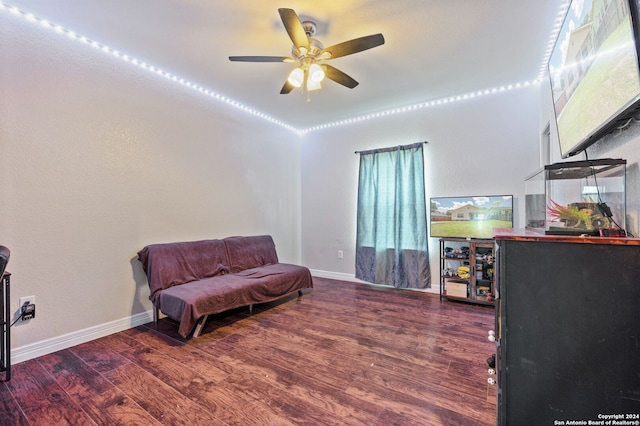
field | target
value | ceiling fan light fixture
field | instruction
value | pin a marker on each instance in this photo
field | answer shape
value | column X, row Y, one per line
column 316, row 73
column 312, row 85
column 309, row 53
column 296, row 77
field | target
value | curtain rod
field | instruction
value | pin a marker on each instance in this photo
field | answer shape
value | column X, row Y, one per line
column 359, row 152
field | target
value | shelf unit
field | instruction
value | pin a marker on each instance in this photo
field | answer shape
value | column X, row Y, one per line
column 478, row 285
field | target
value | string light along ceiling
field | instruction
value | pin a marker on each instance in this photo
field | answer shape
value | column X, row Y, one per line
column 65, row 32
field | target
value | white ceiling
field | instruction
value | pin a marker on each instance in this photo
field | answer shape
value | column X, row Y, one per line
column 434, row 48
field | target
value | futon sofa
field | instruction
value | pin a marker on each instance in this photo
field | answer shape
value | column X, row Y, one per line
column 190, row 280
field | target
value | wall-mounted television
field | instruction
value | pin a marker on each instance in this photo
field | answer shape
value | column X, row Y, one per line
column 593, row 70
column 470, row 217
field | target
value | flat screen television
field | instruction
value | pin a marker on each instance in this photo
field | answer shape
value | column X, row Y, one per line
column 470, row 217
column 593, row 70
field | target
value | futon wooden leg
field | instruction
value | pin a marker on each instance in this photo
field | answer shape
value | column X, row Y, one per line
column 199, row 326
column 156, row 314
column 250, row 309
column 299, row 293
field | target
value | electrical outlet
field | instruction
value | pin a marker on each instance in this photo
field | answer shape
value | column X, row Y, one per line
column 29, row 311
column 30, row 299
column 340, row 254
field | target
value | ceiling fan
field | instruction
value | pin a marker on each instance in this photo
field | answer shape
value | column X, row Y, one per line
column 310, row 54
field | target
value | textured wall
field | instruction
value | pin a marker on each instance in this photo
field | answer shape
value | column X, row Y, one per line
column 484, row 146
column 98, row 159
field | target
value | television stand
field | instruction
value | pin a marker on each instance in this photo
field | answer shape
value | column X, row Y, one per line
column 466, row 270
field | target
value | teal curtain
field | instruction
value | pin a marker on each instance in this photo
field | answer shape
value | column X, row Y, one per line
column 391, row 240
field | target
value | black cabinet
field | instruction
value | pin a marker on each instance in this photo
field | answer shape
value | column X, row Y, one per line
column 567, row 329
column 5, row 330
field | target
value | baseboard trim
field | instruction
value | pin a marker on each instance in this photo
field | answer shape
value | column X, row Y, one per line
column 336, row 276
column 350, row 277
column 44, row 347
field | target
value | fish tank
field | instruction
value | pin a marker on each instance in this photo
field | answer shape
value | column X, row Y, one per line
column 578, row 198
column 535, row 202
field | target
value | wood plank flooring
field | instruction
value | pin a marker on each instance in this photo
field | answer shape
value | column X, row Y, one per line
column 342, row 354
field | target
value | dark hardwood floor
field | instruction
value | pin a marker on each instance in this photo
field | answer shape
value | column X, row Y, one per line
column 342, row 354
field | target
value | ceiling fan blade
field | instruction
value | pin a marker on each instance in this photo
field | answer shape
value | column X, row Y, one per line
column 338, row 76
column 294, row 28
column 260, row 58
column 353, row 46
column 288, row 87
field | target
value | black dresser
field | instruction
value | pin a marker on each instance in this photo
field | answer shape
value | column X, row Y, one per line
column 567, row 329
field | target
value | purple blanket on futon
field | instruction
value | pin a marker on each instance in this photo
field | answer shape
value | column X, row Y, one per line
column 188, row 280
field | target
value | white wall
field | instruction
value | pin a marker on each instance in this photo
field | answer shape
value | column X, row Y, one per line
column 483, row 146
column 98, row 159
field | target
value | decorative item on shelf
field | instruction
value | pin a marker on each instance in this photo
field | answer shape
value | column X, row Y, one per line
column 483, row 290
column 487, row 268
column 459, row 253
column 585, row 216
column 464, row 272
column 457, row 289
column 450, row 272
column 487, row 272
